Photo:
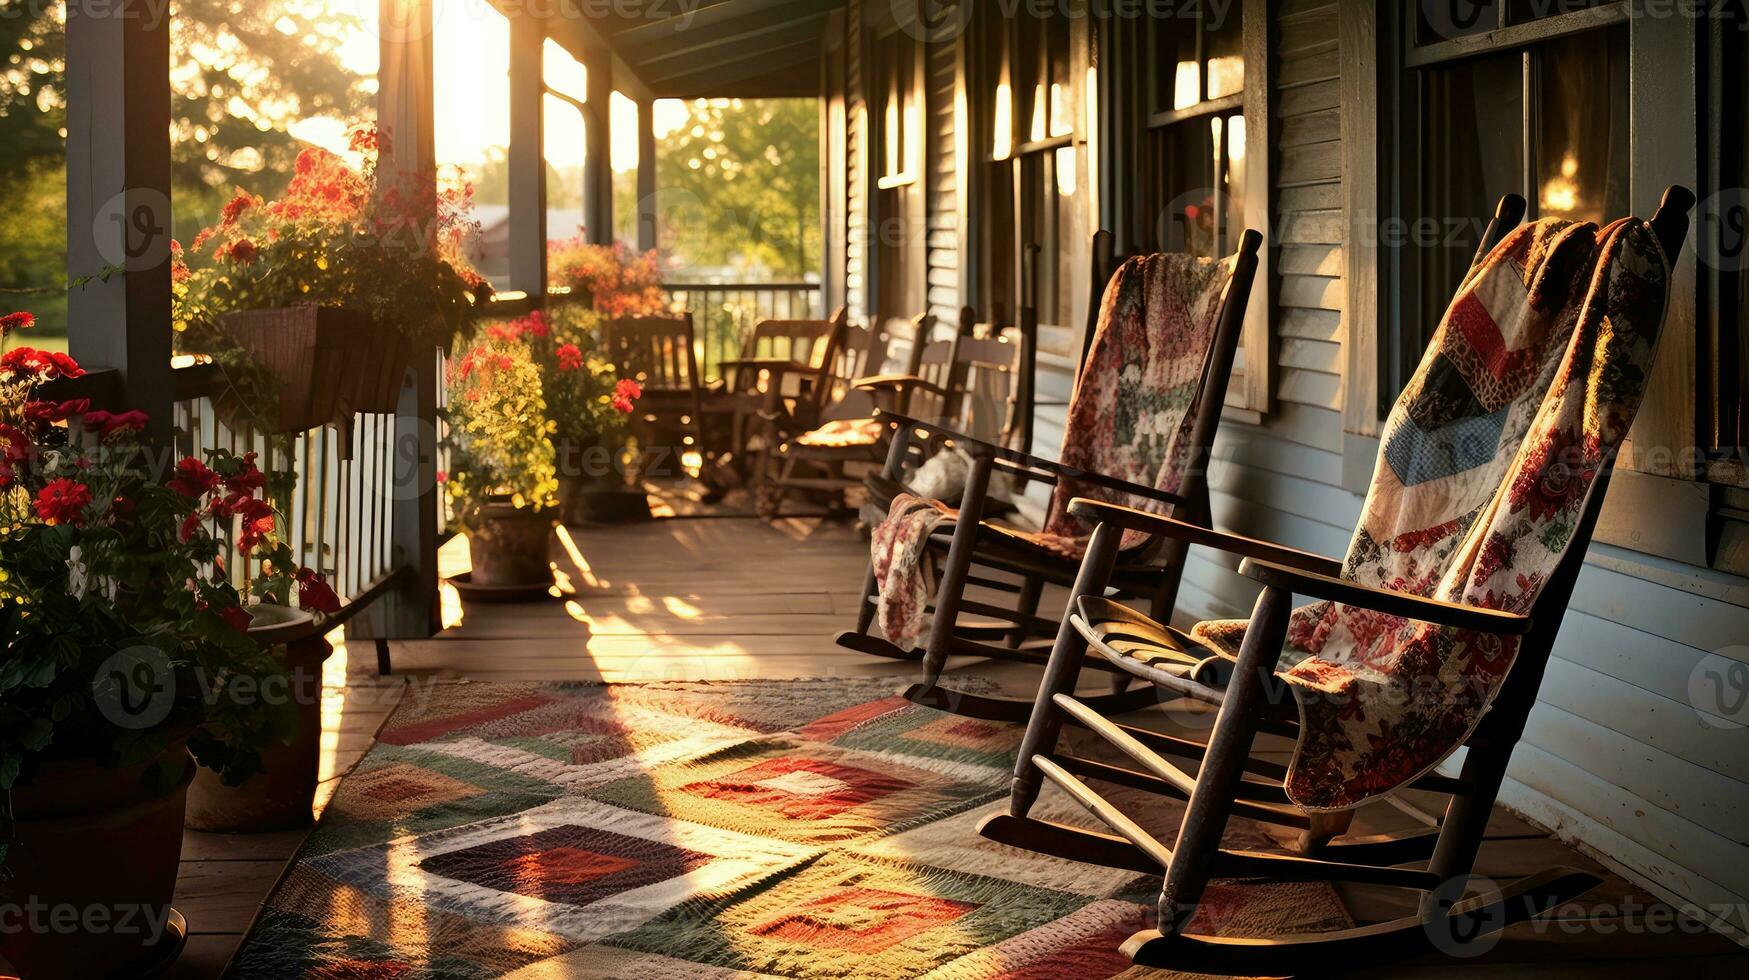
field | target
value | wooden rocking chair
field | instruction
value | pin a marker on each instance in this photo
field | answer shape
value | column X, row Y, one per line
column 1151, row 569
column 1252, row 688
column 817, row 460
column 658, row 352
column 785, row 366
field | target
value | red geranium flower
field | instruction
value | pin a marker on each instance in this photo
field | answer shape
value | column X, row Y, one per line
column 570, row 358
column 17, row 321
column 625, row 393
column 190, row 525
column 242, row 251
column 314, row 592
column 63, row 502
column 231, row 212
column 106, row 424
column 248, row 479
column 193, row 479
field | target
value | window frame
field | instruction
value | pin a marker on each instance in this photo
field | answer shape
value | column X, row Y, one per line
column 1665, row 79
column 1128, row 118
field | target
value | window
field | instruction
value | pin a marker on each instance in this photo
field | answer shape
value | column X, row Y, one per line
column 1196, row 130
column 1543, row 113
column 895, row 98
column 1032, row 179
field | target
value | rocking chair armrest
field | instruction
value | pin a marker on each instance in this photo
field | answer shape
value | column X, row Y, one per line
column 899, row 383
column 1100, row 511
column 1407, row 605
column 1056, row 470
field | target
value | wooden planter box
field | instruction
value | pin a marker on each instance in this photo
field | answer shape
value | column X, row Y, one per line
column 329, row 364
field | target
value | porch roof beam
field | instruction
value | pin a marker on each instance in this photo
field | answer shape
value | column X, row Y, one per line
column 802, row 14
column 749, row 65
column 708, row 14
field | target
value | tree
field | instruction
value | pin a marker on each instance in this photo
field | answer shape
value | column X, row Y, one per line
column 739, row 184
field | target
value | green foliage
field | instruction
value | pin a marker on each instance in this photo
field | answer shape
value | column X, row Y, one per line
column 500, row 437
column 740, row 182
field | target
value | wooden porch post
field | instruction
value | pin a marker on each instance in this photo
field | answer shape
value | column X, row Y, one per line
column 646, row 175
column 527, row 162
column 597, row 163
column 118, row 201
column 405, row 114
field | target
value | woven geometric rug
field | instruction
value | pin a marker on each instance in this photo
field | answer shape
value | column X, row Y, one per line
column 742, row 829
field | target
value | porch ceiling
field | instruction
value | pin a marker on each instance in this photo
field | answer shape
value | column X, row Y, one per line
column 717, row 48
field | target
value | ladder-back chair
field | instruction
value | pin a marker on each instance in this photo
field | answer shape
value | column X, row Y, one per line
column 1187, row 365
column 1384, row 676
column 847, row 432
column 659, row 352
column 785, row 366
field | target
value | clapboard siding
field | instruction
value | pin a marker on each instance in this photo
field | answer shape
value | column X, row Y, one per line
column 856, row 181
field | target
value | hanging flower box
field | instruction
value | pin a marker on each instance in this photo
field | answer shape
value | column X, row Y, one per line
column 324, row 364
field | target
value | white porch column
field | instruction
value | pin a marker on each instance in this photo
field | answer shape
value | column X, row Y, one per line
column 118, row 201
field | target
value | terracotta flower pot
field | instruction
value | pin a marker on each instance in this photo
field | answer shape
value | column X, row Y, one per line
column 95, row 854
column 508, row 546
column 281, row 796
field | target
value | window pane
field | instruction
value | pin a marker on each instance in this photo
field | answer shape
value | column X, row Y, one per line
column 1519, row 11
column 1185, row 218
column 470, row 67
column 1472, row 146
column 1178, row 78
column 1582, row 151
column 1223, row 34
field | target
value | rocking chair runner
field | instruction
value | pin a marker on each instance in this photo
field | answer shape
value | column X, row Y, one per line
column 1555, row 372
column 1152, row 565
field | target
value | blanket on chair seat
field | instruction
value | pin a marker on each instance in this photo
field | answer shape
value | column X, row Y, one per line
column 1129, row 417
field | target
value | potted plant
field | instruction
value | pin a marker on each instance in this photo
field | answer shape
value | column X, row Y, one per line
column 614, row 280
column 315, row 304
column 122, row 653
column 501, row 479
column 588, row 404
column 286, row 618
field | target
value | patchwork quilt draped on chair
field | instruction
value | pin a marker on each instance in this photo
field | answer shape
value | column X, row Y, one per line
column 1129, row 417
column 1487, row 460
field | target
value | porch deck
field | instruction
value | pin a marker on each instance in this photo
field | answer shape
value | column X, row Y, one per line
column 726, row 597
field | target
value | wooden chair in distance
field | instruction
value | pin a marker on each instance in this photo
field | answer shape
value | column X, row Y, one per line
column 1150, row 570
column 1252, row 696
column 816, row 460
column 659, row 352
column 784, row 365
